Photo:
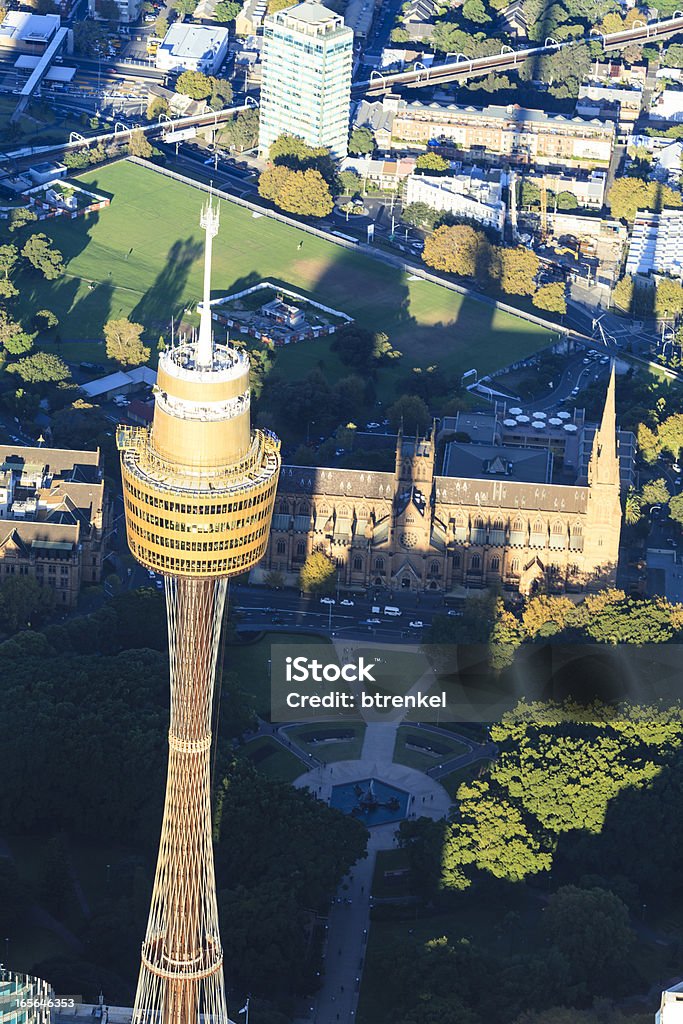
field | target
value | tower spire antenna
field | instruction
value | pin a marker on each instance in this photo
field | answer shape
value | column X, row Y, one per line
column 209, row 221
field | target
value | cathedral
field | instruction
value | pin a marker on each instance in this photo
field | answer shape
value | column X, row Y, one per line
column 494, row 517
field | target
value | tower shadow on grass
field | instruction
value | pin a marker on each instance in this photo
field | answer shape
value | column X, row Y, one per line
column 166, row 295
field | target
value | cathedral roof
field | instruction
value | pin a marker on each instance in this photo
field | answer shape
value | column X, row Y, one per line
column 495, row 493
column 352, row 483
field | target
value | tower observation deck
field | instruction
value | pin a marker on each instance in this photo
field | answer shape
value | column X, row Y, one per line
column 199, row 489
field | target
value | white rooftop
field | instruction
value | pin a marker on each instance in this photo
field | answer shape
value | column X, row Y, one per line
column 312, row 13
column 193, row 41
column 21, row 25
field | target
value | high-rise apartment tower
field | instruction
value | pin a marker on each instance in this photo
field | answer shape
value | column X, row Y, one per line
column 199, row 487
column 306, row 79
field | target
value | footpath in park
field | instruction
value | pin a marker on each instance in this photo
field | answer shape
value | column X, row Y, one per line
column 349, row 918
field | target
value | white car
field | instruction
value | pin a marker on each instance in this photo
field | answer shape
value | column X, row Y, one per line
column 347, row 603
column 327, row 600
column 152, row 575
column 374, row 622
column 417, row 624
column 373, row 426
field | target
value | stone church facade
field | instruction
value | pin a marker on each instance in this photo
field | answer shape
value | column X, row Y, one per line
column 413, row 529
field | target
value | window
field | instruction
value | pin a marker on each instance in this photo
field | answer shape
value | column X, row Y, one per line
column 379, row 564
column 476, row 562
column 514, row 568
column 281, row 547
column 301, row 548
column 358, row 564
column 434, row 568
column 495, row 564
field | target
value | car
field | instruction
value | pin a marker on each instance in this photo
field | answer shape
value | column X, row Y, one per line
column 159, row 584
column 416, row 624
column 453, row 612
column 372, row 426
column 327, row 600
column 152, row 575
column 374, row 622
column 347, row 602
column 340, row 451
column 585, row 361
column 675, row 467
column 575, row 392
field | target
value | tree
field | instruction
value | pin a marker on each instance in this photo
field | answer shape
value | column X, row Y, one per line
column 676, row 508
column 139, row 145
column 226, row 10
column 40, row 368
column 13, row 338
column 40, row 254
column 420, row 215
column 108, row 10
column 221, row 93
column 361, row 141
column 279, row 5
column 317, row 574
column 448, row 38
column 458, row 249
column 674, row 55
column 546, row 615
column 349, row 183
column 274, row 579
column 184, row 8
column 567, row 201
column 9, row 255
column 272, row 181
column 655, row 492
column 591, row 928
column 7, row 289
column 432, row 162
column 161, row 26
column 551, row 298
column 668, row 298
column 515, row 270
column 474, row 11
column 123, row 341
column 89, row 36
column 306, row 193
column 24, row 602
column 632, row 508
column 156, row 106
column 79, row 425
column 399, row 35
column 242, row 132
column 411, row 412
column 19, row 218
column 354, row 345
column 628, row 195
column 194, row 84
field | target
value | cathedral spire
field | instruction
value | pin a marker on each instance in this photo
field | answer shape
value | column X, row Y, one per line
column 209, row 221
column 604, row 460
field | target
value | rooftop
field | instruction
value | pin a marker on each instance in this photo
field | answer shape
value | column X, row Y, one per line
column 193, row 41
column 531, row 465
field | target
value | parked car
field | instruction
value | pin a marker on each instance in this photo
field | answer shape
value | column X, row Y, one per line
column 327, row 600
column 416, row 624
column 347, row 602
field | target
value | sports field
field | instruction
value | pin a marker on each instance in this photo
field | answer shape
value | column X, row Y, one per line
column 142, row 258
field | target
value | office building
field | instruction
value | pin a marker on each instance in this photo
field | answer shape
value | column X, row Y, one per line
column 306, row 78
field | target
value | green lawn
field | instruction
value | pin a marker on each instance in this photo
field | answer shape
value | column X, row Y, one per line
column 142, row 257
column 443, row 747
column 331, row 749
column 388, row 861
column 249, row 664
column 271, row 758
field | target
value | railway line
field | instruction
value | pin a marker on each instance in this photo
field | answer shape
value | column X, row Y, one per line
column 466, row 67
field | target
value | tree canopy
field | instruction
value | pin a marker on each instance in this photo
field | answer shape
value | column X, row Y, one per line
column 123, row 341
column 317, row 574
column 43, row 257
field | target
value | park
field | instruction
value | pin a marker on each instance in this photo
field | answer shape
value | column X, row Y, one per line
column 141, row 258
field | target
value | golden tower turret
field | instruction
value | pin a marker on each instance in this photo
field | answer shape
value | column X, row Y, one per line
column 199, row 489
